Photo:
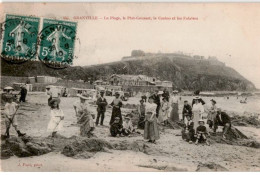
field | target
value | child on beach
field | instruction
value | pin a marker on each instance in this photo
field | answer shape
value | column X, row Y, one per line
column 116, row 128
column 165, row 110
column 189, row 132
column 212, row 114
column 57, row 118
column 10, row 110
column 201, row 132
column 127, row 126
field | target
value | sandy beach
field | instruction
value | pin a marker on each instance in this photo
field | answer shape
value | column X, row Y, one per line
column 170, row 153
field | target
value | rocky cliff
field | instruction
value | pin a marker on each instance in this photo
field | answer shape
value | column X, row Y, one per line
column 185, row 72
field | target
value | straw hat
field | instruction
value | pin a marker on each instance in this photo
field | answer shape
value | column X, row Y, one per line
column 8, row 88
column 83, row 97
column 201, row 121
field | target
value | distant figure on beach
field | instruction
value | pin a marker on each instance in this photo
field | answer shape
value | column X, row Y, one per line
column 116, row 110
column 57, row 118
column 151, row 132
column 157, row 101
column 166, row 94
column 101, row 107
column 141, row 112
column 222, row 119
column 186, row 111
column 144, row 98
column 165, row 111
column 188, row 132
column 212, row 114
column 197, row 110
column 174, row 116
column 23, row 93
column 201, row 132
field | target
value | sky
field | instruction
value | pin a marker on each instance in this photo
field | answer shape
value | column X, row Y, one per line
column 228, row 31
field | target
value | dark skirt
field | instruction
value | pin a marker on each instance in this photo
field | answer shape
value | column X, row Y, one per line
column 116, row 112
column 141, row 122
column 174, row 116
column 151, row 131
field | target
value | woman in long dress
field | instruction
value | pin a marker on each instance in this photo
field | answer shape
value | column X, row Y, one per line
column 197, row 110
column 84, row 116
column 151, row 131
column 116, row 111
column 57, row 117
column 164, row 111
column 174, row 116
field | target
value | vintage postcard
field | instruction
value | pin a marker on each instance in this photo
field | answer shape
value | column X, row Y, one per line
column 130, row 87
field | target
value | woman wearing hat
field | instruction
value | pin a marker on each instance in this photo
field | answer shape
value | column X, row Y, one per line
column 151, row 131
column 57, row 117
column 116, row 110
column 197, row 110
column 212, row 114
column 84, row 116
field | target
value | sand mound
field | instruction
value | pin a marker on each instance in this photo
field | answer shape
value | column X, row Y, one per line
column 86, row 148
column 23, row 147
column 251, row 120
column 210, row 167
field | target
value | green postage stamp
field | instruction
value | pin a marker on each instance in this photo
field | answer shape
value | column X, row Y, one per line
column 57, row 40
column 20, row 37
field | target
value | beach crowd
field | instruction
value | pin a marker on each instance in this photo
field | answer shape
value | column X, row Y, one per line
column 161, row 108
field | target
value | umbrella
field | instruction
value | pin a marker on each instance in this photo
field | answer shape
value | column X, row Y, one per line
column 8, row 88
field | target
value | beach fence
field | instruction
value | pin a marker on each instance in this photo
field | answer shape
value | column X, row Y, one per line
column 17, row 86
column 10, row 80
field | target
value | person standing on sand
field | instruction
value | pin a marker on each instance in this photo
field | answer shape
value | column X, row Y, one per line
column 186, row 111
column 141, row 112
column 84, row 116
column 151, row 131
column 101, row 109
column 174, row 116
column 197, row 110
column 222, row 119
column 116, row 110
column 157, row 101
column 166, row 95
column 165, row 110
column 57, row 118
column 23, row 93
column 212, row 114
column 9, row 112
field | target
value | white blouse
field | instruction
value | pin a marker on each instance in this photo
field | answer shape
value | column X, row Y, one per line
column 198, row 108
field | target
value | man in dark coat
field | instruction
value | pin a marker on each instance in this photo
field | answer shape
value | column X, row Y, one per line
column 101, row 108
column 222, row 119
column 156, row 100
column 187, row 110
column 23, row 94
column 166, row 94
